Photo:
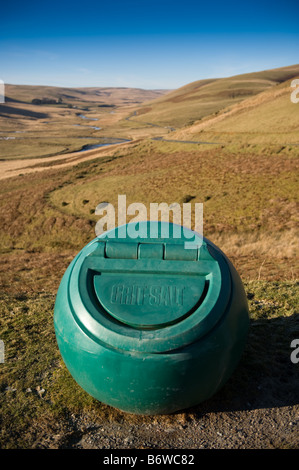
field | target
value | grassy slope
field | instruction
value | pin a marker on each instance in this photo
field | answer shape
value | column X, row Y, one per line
column 41, row 405
column 240, row 206
column 202, row 98
column 268, row 118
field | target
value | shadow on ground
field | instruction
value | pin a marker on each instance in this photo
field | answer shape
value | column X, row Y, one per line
column 8, row 110
column 265, row 377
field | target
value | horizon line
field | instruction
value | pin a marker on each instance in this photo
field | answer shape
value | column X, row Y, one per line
column 149, row 89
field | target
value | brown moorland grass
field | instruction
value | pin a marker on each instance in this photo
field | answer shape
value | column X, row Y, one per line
column 267, row 119
column 42, row 406
column 261, row 190
column 250, row 197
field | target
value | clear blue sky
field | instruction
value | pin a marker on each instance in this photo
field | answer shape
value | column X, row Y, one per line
column 146, row 44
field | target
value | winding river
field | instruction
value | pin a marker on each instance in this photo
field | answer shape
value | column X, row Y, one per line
column 98, row 145
column 95, row 146
column 85, row 117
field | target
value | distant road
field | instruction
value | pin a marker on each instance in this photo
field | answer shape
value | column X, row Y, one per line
column 171, row 129
column 183, row 141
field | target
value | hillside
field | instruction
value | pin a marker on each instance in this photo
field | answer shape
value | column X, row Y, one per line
column 267, row 118
column 198, row 99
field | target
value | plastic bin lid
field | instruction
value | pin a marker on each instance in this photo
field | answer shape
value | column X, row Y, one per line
column 154, row 289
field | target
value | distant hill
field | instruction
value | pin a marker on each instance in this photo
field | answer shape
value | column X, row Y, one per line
column 113, row 96
column 192, row 102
